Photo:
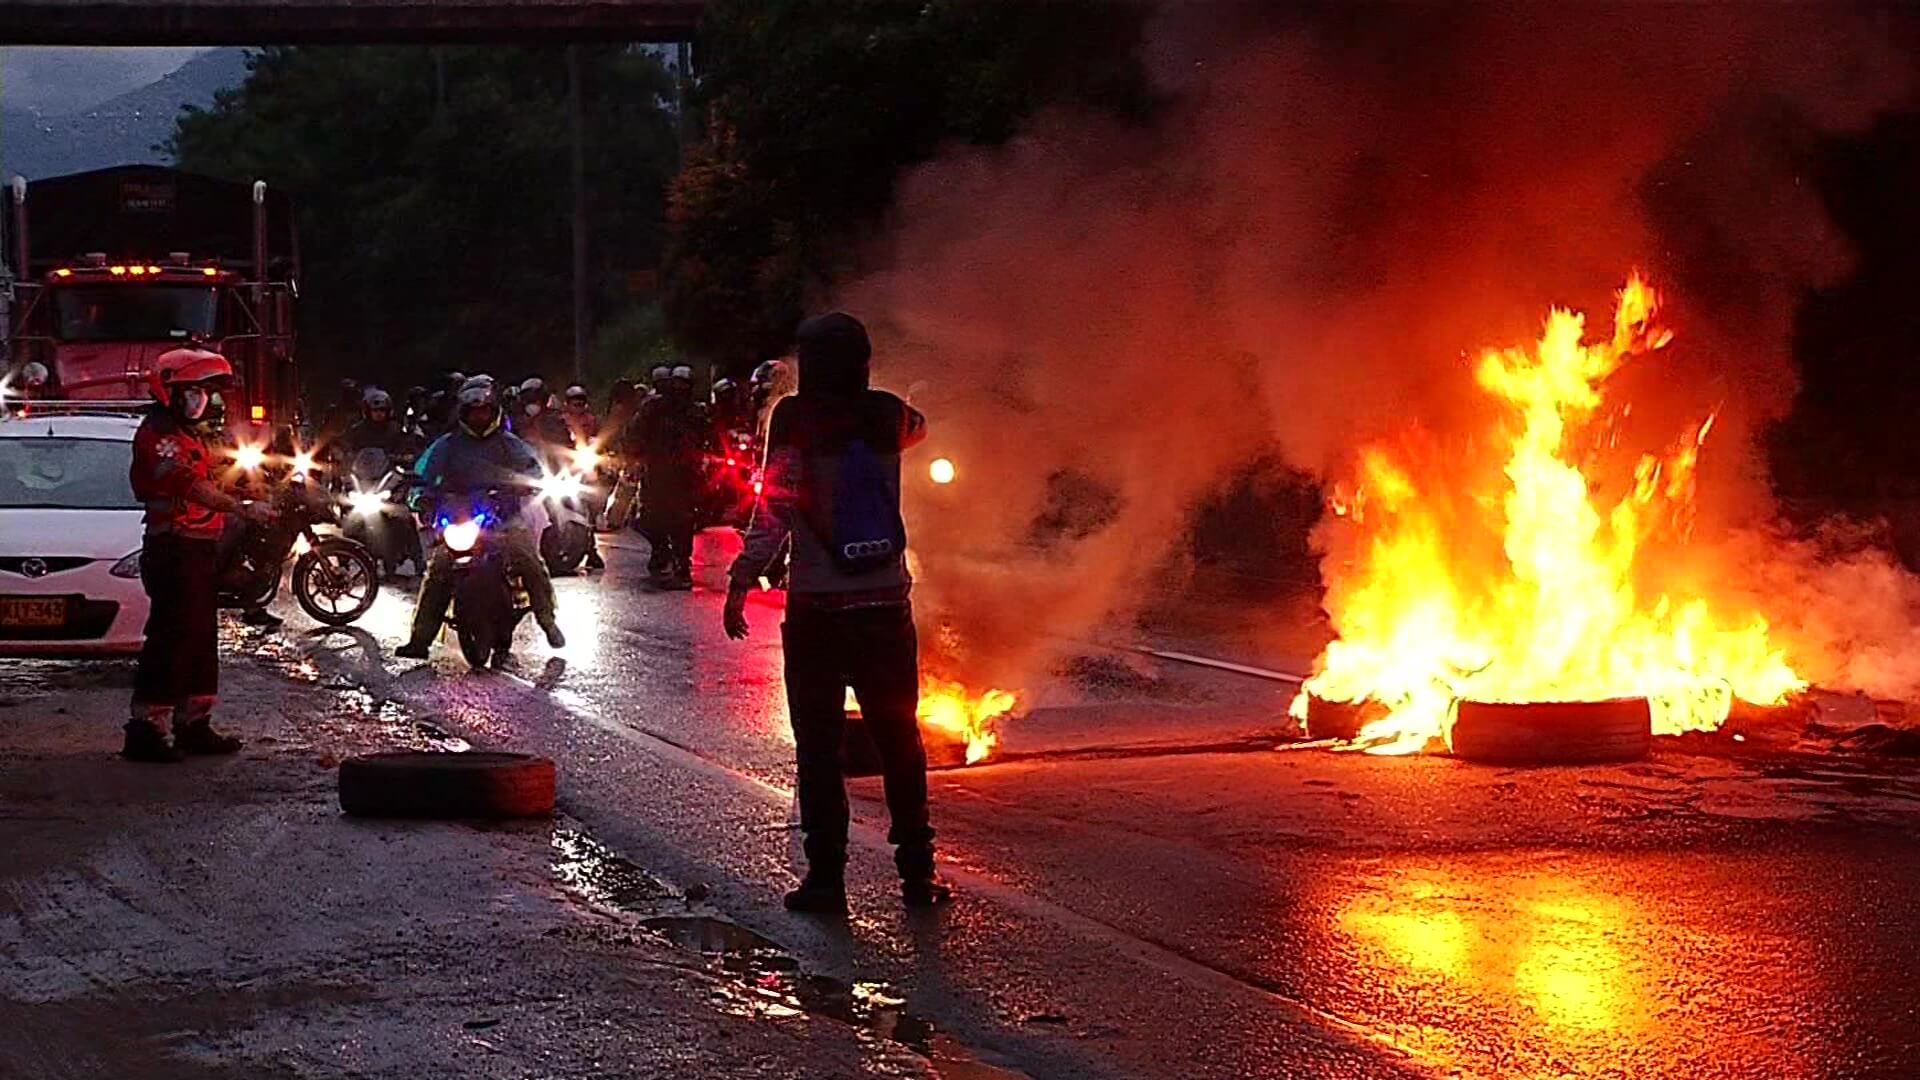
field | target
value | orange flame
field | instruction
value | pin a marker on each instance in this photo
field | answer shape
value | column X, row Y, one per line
column 948, row 707
column 1523, row 587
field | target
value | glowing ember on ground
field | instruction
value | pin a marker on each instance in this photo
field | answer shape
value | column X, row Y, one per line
column 950, row 709
column 1458, row 582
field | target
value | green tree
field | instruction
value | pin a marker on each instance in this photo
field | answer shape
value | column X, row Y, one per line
column 813, row 108
column 434, row 198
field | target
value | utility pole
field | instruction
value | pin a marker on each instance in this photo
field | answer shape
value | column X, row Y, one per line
column 577, row 122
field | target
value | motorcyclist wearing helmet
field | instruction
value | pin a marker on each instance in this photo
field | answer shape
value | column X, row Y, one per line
column 674, row 437
column 732, row 410
column 342, row 413
column 770, row 382
column 379, row 428
column 178, row 680
column 579, row 416
column 479, row 455
column 584, row 428
column 542, row 426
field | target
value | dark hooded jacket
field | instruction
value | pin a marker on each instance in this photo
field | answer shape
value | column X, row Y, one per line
column 806, row 438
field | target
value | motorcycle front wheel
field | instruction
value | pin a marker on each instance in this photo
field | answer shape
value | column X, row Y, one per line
column 564, row 546
column 336, row 582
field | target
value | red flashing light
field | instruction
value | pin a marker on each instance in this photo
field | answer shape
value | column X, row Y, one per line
column 759, row 486
column 63, row 272
column 210, row 271
column 258, row 414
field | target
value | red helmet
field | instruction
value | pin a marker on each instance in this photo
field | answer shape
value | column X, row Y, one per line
column 180, row 366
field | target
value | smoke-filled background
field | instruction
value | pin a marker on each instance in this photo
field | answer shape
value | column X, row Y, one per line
column 1327, row 215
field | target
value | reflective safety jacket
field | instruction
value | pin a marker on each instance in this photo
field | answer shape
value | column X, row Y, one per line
column 168, row 460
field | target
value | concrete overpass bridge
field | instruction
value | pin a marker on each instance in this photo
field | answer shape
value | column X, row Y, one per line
column 275, row 22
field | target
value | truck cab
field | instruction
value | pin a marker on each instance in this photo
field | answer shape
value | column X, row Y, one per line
column 119, row 266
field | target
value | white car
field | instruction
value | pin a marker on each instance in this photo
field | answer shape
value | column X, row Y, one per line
column 70, row 534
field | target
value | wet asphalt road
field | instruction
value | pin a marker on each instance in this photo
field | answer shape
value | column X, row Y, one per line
column 1150, row 890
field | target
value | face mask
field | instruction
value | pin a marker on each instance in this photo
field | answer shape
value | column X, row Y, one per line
column 533, row 409
column 194, row 402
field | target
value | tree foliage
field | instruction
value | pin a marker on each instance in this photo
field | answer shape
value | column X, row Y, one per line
column 434, row 195
column 812, row 109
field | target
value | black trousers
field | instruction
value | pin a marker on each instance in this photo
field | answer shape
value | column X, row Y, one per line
column 180, row 660
column 875, row 652
column 666, row 520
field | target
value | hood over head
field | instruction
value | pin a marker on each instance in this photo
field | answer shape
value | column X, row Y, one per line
column 835, row 354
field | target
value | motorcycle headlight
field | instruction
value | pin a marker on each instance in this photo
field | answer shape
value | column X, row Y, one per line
column 563, row 485
column 586, row 459
column 366, row 503
column 461, row 535
column 128, row 567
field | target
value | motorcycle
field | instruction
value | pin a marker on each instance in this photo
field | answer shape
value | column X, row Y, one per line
column 563, row 524
column 729, row 484
column 377, row 514
column 335, row 578
column 488, row 603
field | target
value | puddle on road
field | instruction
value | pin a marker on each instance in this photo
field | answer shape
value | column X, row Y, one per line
column 758, row 977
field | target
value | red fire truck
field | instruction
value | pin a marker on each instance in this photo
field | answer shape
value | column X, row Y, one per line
column 114, row 267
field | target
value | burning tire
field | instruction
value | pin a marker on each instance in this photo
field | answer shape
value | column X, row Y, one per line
column 1340, row 720
column 1553, row 732
column 447, row 785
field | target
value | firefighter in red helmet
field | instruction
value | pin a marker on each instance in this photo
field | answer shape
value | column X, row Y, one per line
column 177, row 683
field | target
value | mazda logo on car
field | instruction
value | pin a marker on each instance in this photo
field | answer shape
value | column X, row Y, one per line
column 34, row 568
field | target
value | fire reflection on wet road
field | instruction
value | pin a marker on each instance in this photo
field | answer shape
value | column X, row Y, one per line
column 1685, row 917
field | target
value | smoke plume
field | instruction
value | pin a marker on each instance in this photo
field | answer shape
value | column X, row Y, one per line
column 1328, row 213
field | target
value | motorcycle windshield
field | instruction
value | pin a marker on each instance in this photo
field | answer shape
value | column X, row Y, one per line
column 370, row 467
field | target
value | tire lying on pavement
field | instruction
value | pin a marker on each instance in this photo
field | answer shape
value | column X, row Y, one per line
column 447, row 785
column 1553, row 732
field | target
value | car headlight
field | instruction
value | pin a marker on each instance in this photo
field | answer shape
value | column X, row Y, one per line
column 128, row 567
column 461, row 535
column 366, row 503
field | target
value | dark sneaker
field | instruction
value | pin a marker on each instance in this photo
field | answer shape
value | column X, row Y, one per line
column 261, row 617
column 925, row 892
column 414, row 651
column 595, row 562
column 680, row 583
column 819, row 896
column 200, row 738
column 149, row 744
column 555, row 639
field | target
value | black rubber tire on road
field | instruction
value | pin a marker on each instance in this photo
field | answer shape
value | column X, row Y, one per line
column 1340, row 720
column 1553, row 732
column 447, row 785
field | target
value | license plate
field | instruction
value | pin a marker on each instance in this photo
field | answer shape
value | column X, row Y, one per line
column 33, row 611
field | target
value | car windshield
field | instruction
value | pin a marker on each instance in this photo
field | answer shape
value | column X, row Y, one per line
column 65, row 474
column 135, row 312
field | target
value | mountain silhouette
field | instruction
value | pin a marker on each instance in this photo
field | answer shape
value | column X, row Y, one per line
column 123, row 130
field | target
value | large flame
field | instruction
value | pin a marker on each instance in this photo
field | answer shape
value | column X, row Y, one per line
column 966, row 717
column 1523, row 585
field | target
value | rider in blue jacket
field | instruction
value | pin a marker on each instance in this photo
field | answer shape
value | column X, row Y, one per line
column 477, row 456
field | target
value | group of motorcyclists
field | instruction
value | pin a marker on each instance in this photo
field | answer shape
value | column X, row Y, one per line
column 473, row 451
